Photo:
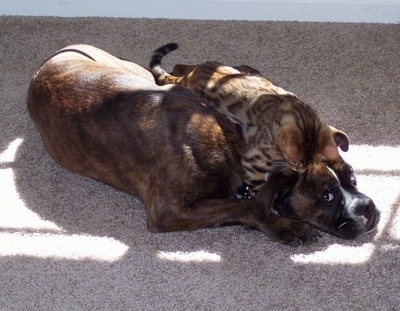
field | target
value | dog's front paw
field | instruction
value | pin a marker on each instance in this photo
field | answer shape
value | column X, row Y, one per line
column 302, row 237
column 291, row 232
column 302, row 233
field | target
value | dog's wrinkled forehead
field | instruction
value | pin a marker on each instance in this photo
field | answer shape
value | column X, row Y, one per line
column 317, row 177
column 344, row 172
column 333, row 173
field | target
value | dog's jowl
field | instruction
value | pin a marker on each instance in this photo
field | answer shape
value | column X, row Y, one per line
column 105, row 118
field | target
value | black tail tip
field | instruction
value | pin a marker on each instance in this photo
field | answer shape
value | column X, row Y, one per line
column 171, row 46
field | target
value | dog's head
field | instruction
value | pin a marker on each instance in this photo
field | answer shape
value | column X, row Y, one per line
column 326, row 197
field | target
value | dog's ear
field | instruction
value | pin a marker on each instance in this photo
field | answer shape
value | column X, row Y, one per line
column 341, row 139
column 181, row 70
column 290, row 142
column 330, row 140
column 275, row 183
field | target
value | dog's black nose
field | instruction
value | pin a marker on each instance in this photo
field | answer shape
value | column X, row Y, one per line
column 365, row 206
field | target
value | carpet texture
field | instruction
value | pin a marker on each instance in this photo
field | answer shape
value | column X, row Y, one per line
column 71, row 243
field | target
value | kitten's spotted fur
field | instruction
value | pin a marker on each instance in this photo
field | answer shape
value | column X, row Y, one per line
column 277, row 126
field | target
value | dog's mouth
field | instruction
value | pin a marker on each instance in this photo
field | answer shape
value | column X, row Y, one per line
column 372, row 231
column 373, row 226
column 350, row 228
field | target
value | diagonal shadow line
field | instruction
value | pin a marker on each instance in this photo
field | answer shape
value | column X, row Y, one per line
column 5, row 165
column 394, row 212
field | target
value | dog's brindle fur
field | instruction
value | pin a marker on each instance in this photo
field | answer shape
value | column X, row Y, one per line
column 326, row 196
column 105, row 118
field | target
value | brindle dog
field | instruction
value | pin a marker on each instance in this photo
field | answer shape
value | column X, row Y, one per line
column 105, row 118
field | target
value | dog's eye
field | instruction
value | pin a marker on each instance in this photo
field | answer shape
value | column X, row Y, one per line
column 328, row 196
column 353, row 179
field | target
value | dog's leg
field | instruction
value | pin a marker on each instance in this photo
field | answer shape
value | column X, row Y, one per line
column 211, row 213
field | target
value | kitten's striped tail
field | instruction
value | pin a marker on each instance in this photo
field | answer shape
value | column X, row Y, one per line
column 155, row 63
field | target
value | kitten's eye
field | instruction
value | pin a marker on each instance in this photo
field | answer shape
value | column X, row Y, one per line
column 328, row 196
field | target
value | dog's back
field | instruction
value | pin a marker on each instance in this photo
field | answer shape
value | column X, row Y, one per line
column 105, row 118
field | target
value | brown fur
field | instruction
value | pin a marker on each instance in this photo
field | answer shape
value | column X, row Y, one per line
column 105, row 118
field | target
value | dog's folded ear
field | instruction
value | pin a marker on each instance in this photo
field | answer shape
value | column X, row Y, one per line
column 268, row 192
column 330, row 140
column 341, row 139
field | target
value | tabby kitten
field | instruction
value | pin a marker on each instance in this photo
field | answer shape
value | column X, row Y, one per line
column 277, row 126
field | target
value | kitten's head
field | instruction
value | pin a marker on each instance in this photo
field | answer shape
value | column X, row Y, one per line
column 303, row 137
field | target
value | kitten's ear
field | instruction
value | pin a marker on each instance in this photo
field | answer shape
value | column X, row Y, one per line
column 247, row 70
column 181, row 70
column 330, row 140
column 290, row 142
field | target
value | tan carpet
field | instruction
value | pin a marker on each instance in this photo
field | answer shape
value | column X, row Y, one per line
column 71, row 243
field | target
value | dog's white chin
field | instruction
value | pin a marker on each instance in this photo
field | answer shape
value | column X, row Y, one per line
column 372, row 231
